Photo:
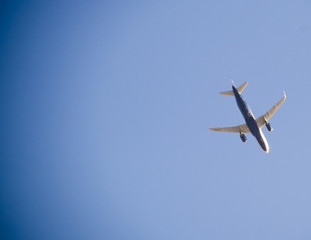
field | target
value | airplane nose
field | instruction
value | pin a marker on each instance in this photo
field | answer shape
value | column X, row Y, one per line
column 264, row 146
column 263, row 143
column 266, row 150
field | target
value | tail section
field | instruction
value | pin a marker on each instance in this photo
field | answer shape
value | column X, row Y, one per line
column 240, row 89
column 229, row 93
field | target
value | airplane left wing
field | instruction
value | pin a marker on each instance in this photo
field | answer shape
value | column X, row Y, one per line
column 240, row 129
column 262, row 120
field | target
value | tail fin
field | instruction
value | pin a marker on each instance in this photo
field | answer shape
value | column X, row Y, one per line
column 240, row 90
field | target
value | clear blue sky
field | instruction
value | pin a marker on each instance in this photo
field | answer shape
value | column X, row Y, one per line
column 105, row 109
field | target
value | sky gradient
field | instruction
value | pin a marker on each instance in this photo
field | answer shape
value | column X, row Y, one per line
column 105, row 109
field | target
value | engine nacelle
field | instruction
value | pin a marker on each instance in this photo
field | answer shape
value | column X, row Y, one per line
column 243, row 137
column 268, row 126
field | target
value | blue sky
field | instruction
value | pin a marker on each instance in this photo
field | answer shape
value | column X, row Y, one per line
column 105, row 109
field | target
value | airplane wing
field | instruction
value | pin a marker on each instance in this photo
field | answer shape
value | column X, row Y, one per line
column 240, row 129
column 262, row 120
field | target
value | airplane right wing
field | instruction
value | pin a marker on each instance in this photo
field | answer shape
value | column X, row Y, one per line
column 262, row 120
column 240, row 129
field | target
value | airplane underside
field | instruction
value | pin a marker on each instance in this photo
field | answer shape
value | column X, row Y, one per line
column 252, row 124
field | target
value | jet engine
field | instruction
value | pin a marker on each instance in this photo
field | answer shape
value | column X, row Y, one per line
column 268, row 126
column 243, row 137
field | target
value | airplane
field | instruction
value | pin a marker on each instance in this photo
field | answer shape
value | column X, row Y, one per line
column 252, row 125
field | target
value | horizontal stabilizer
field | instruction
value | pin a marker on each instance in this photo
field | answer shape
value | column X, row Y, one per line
column 229, row 93
column 240, row 90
